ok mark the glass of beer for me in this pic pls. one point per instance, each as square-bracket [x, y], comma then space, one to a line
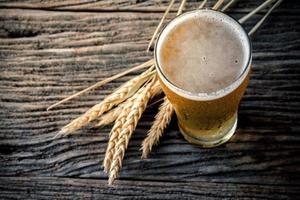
[203, 60]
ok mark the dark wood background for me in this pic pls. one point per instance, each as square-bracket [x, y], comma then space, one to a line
[50, 49]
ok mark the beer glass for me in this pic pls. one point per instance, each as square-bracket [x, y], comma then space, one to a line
[206, 119]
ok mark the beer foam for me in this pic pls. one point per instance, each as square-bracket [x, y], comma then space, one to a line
[203, 54]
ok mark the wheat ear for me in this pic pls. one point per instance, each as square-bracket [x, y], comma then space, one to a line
[121, 117]
[162, 119]
[117, 97]
[132, 118]
[112, 115]
[116, 130]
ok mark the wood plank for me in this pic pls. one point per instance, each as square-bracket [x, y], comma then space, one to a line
[132, 6]
[46, 55]
[70, 188]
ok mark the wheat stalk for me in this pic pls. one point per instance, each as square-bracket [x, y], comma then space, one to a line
[112, 115]
[132, 118]
[116, 130]
[107, 80]
[115, 133]
[253, 12]
[260, 22]
[180, 9]
[120, 95]
[217, 4]
[230, 3]
[155, 89]
[160, 24]
[162, 119]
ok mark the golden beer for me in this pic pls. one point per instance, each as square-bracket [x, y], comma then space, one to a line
[203, 61]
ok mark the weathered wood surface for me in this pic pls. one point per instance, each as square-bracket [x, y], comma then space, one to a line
[64, 188]
[125, 5]
[46, 55]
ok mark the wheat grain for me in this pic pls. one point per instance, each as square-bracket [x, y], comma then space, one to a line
[120, 120]
[117, 97]
[115, 131]
[135, 113]
[162, 119]
[112, 115]
[109, 117]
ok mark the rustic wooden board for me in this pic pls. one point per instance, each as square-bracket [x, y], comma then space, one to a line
[46, 55]
[133, 5]
[70, 188]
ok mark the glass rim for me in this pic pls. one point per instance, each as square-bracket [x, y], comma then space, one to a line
[203, 96]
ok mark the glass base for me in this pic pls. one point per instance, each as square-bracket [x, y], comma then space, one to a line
[223, 136]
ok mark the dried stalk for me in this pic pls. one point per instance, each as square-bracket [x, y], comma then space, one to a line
[230, 3]
[217, 5]
[135, 112]
[162, 119]
[116, 130]
[181, 7]
[160, 24]
[260, 22]
[253, 12]
[117, 97]
[112, 115]
[120, 121]
[155, 89]
[107, 80]
[202, 4]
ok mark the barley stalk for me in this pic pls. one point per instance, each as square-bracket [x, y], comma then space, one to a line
[120, 95]
[135, 113]
[162, 119]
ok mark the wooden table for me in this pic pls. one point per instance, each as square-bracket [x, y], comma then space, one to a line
[50, 49]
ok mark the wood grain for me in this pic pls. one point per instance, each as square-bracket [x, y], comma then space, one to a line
[70, 188]
[132, 6]
[46, 55]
